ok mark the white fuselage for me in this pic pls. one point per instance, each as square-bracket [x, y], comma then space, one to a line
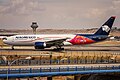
[29, 40]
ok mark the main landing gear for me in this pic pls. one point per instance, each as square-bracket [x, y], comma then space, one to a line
[58, 48]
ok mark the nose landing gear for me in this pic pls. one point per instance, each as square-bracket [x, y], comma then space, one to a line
[13, 48]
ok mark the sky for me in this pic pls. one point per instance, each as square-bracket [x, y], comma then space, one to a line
[57, 14]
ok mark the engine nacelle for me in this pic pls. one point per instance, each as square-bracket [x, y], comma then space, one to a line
[40, 45]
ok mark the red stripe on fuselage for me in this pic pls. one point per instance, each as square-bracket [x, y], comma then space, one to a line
[77, 40]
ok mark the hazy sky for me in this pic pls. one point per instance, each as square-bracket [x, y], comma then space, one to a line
[60, 14]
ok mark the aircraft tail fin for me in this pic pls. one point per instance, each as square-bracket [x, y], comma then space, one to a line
[106, 27]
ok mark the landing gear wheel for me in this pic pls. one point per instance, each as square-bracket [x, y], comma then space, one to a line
[13, 48]
[62, 49]
[58, 49]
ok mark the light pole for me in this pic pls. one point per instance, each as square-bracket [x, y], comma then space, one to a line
[9, 64]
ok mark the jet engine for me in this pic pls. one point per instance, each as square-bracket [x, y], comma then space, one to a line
[40, 45]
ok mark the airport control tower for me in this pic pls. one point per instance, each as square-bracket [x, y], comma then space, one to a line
[34, 26]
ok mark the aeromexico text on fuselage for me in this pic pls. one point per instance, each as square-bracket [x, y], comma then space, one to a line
[59, 40]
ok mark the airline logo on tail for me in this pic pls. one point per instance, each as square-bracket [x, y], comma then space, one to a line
[105, 28]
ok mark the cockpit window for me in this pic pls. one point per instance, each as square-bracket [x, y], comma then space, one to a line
[4, 38]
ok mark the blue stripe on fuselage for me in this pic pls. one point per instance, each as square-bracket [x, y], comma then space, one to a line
[94, 37]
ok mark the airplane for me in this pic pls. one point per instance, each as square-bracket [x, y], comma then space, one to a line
[59, 40]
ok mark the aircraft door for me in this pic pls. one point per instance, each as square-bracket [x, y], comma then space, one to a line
[12, 39]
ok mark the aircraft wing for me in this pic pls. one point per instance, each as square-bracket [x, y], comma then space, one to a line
[56, 41]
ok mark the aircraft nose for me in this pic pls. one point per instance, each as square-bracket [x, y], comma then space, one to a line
[5, 40]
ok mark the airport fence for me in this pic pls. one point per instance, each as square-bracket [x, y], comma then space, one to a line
[68, 60]
[85, 57]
